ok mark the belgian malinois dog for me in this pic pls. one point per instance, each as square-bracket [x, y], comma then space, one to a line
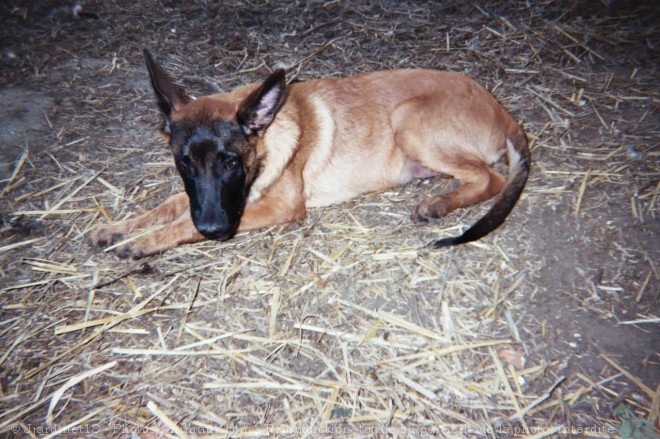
[263, 154]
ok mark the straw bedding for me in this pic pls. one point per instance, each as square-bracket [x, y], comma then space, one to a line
[344, 324]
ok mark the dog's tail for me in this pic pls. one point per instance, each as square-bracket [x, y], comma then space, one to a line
[519, 160]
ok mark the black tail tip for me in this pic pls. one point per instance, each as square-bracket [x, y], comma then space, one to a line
[447, 242]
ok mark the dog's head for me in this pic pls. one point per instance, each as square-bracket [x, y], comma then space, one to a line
[213, 141]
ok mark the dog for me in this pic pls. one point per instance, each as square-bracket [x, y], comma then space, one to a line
[263, 154]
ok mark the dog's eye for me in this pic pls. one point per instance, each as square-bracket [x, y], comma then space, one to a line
[184, 165]
[230, 164]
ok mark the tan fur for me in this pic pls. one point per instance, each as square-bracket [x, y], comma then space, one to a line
[334, 139]
[277, 148]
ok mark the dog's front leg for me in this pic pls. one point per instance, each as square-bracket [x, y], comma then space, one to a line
[168, 211]
[181, 231]
[268, 211]
[277, 207]
[282, 203]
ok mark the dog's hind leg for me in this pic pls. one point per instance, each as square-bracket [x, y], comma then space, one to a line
[452, 139]
[460, 130]
[165, 213]
[478, 182]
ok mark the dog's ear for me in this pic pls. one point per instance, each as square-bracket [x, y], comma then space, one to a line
[170, 97]
[258, 110]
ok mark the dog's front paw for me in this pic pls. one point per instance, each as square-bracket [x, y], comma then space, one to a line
[134, 250]
[105, 237]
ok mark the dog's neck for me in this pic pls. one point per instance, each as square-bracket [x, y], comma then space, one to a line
[279, 143]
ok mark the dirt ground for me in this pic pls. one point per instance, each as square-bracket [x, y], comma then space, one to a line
[344, 324]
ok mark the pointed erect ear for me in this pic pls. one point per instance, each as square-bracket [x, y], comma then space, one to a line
[259, 109]
[170, 97]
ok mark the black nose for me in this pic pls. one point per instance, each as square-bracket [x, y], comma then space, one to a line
[211, 230]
